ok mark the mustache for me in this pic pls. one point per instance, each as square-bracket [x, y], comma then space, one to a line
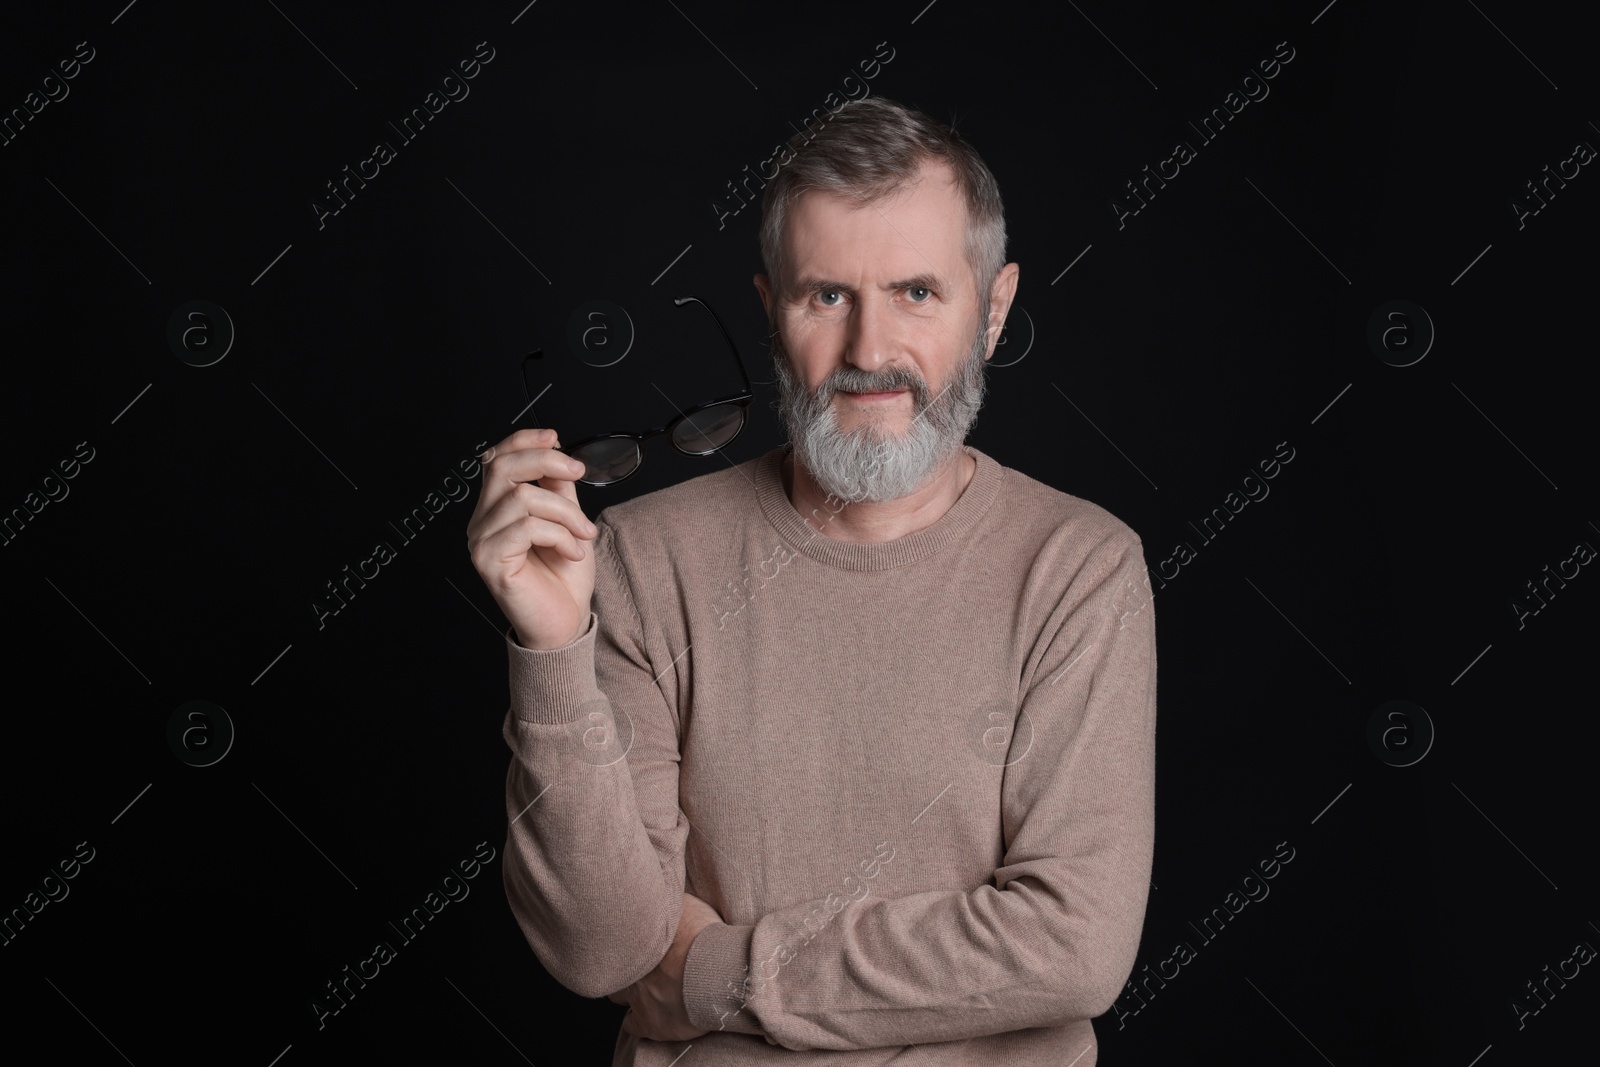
[856, 380]
[848, 379]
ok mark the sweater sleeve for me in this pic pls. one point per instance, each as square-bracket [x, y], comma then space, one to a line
[1053, 937]
[594, 858]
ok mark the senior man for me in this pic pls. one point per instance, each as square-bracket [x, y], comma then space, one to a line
[899, 791]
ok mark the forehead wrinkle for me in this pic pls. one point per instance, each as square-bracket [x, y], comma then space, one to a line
[910, 244]
[930, 170]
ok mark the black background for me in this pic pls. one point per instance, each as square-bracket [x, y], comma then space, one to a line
[374, 353]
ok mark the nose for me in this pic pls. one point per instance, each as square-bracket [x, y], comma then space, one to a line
[869, 344]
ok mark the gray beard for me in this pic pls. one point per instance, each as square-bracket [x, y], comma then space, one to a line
[868, 463]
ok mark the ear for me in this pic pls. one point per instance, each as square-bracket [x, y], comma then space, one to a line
[1003, 293]
[764, 287]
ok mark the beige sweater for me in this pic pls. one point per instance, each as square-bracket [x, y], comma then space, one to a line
[823, 740]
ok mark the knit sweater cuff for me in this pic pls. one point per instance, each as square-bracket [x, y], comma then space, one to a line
[552, 685]
[714, 975]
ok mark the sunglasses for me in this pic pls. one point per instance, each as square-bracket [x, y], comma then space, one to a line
[609, 458]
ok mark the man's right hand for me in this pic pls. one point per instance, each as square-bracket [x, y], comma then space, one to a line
[526, 539]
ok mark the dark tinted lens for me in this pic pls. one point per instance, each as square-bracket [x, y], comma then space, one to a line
[609, 459]
[708, 430]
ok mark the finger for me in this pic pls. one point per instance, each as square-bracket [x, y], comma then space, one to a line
[512, 542]
[511, 512]
[534, 456]
[504, 533]
[519, 440]
[552, 473]
[525, 500]
[549, 504]
[525, 456]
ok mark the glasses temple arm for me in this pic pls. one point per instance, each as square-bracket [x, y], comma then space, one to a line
[737, 358]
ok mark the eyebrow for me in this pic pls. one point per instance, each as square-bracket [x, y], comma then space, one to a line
[812, 284]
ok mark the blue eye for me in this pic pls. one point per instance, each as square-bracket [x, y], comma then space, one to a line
[825, 293]
[920, 289]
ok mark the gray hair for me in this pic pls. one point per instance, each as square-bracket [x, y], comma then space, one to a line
[868, 150]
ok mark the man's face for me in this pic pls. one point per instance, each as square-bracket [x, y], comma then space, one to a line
[879, 342]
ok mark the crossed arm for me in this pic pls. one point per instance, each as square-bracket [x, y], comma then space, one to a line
[595, 858]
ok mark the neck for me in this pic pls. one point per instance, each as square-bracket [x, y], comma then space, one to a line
[867, 521]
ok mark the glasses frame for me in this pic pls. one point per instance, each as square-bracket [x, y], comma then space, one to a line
[742, 400]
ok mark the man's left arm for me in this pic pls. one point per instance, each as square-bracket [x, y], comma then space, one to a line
[1053, 938]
